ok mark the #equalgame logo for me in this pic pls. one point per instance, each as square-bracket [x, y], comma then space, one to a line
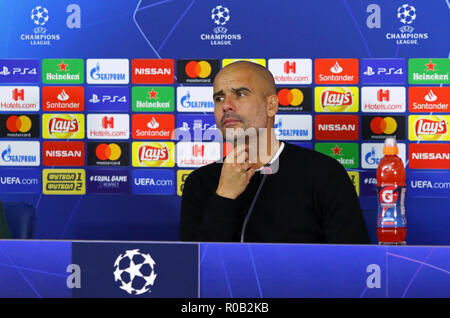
[197, 71]
[291, 71]
[220, 16]
[19, 71]
[181, 179]
[295, 99]
[429, 156]
[63, 153]
[195, 99]
[19, 153]
[293, 127]
[429, 99]
[63, 98]
[383, 99]
[153, 99]
[153, 181]
[108, 126]
[39, 17]
[19, 98]
[429, 71]
[336, 71]
[371, 154]
[383, 71]
[153, 126]
[152, 71]
[107, 71]
[108, 154]
[377, 127]
[153, 154]
[346, 153]
[339, 127]
[197, 154]
[429, 127]
[17, 180]
[407, 15]
[66, 71]
[109, 99]
[19, 126]
[336, 99]
[108, 181]
[368, 183]
[63, 126]
[196, 127]
[64, 181]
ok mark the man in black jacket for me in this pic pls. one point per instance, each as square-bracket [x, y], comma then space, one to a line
[284, 194]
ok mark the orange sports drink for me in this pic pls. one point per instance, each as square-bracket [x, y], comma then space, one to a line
[391, 190]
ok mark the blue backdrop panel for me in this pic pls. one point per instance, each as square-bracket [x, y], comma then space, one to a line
[173, 29]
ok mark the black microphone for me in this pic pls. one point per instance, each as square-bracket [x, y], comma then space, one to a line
[267, 170]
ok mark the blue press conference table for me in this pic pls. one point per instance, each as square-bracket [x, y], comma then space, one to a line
[39, 268]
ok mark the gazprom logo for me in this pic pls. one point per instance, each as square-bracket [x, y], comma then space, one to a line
[97, 75]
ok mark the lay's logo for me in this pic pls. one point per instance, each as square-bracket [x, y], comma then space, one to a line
[64, 126]
[336, 99]
[428, 128]
[153, 154]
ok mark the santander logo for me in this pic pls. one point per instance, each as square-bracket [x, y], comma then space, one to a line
[430, 97]
[336, 68]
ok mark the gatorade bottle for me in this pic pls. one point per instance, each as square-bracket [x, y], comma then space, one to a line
[391, 188]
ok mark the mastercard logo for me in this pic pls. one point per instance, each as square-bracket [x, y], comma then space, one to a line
[386, 125]
[200, 69]
[18, 124]
[108, 152]
[290, 97]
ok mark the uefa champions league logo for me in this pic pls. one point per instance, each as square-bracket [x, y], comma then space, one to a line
[220, 16]
[135, 272]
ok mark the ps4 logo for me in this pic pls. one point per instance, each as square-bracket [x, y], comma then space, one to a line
[108, 99]
[383, 71]
[18, 71]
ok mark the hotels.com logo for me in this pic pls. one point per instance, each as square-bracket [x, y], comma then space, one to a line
[152, 71]
[18, 94]
[108, 122]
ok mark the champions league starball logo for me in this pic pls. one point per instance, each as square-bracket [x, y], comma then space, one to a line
[220, 15]
[39, 15]
[406, 14]
[135, 272]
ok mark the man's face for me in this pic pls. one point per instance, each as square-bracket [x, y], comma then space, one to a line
[239, 100]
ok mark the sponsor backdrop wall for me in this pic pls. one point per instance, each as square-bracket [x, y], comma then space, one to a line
[106, 107]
